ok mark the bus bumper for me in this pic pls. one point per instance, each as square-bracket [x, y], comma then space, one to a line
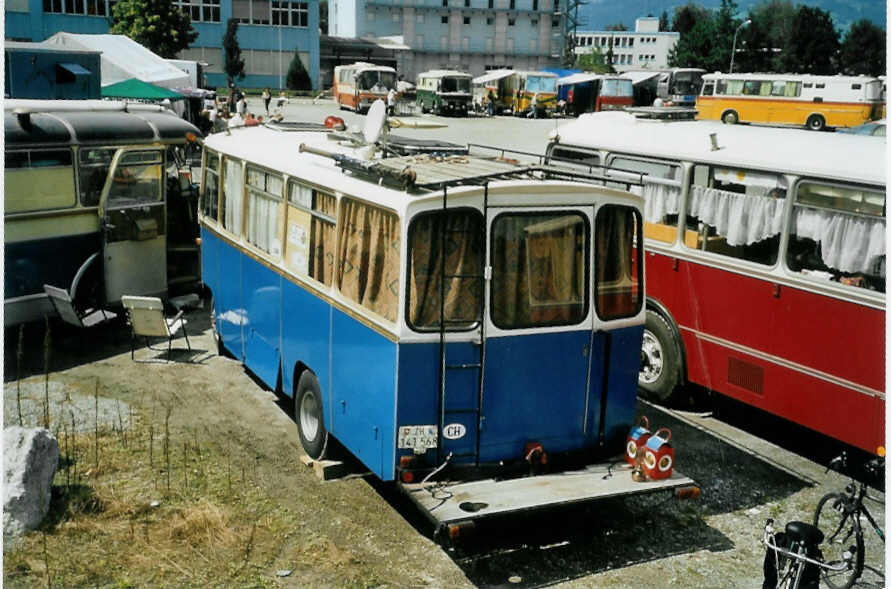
[453, 507]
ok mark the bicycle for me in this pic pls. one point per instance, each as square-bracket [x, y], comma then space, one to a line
[793, 559]
[840, 514]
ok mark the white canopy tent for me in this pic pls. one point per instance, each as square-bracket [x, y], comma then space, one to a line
[122, 59]
[492, 76]
[578, 78]
[638, 76]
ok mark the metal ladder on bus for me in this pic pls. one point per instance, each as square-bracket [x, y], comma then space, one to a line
[444, 367]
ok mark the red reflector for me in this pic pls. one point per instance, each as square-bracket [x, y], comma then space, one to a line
[454, 531]
[688, 493]
[406, 461]
[408, 477]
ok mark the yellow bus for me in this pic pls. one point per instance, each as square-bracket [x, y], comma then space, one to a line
[816, 102]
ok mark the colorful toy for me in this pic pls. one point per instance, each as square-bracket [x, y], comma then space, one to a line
[658, 455]
[637, 437]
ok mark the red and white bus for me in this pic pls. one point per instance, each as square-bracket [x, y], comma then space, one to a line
[358, 85]
[765, 263]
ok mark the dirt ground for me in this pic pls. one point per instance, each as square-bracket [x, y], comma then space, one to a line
[347, 536]
[356, 532]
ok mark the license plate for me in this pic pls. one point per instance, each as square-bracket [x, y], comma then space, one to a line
[417, 437]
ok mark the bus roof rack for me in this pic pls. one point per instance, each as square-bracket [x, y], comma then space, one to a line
[665, 113]
[295, 126]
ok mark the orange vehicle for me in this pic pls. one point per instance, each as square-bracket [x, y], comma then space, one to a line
[358, 85]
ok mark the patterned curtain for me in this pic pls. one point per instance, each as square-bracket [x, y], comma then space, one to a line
[616, 267]
[538, 270]
[368, 257]
[321, 240]
[463, 256]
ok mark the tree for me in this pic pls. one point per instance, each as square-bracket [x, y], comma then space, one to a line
[695, 48]
[592, 62]
[663, 21]
[759, 47]
[686, 17]
[617, 27]
[725, 25]
[158, 25]
[297, 78]
[233, 64]
[863, 50]
[812, 43]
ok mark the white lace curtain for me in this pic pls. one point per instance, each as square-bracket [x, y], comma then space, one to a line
[232, 192]
[660, 200]
[262, 229]
[848, 243]
[742, 219]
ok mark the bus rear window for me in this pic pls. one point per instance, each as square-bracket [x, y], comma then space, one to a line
[618, 271]
[462, 287]
[539, 269]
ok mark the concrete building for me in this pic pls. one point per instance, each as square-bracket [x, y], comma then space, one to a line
[646, 47]
[467, 35]
[269, 32]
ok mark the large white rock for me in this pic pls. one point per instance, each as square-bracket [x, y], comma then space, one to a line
[30, 458]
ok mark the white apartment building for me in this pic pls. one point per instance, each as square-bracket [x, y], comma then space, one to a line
[646, 47]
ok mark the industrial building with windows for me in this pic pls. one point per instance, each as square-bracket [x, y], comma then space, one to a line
[269, 32]
[469, 35]
[645, 48]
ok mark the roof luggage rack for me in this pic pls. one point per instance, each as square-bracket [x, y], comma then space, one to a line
[429, 172]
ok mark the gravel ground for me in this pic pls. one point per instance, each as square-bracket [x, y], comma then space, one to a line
[376, 538]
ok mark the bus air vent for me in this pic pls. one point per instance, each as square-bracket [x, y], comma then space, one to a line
[746, 375]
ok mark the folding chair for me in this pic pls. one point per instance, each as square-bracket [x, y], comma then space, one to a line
[146, 317]
[64, 306]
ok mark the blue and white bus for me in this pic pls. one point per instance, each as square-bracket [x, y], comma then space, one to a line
[448, 316]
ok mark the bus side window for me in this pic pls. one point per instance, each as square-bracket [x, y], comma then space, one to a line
[210, 188]
[465, 248]
[708, 89]
[310, 237]
[38, 180]
[264, 191]
[233, 191]
[838, 233]
[736, 213]
[92, 170]
[661, 195]
[368, 250]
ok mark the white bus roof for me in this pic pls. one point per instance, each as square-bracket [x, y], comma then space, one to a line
[361, 65]
[801, 77]
[441, 73]
[839, 156]
[279, 151]
[492, 76]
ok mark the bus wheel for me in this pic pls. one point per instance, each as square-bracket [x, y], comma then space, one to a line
[660, 359]
[816, 123]
[308, 414]
[730, 117]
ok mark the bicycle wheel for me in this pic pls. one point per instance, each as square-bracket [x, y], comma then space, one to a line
[837, 519]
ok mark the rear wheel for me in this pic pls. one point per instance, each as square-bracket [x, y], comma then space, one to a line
[308, 414]
[816, 123]
[843, 546]
[730, 117]
[660, 359]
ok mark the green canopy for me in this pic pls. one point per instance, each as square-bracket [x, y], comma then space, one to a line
[137, 89]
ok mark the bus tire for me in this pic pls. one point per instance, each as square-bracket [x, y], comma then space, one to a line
[731, 117]
[309, 416]
[660, 359]
[816, 123]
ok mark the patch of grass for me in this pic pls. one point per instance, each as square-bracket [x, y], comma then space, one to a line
[216, 527]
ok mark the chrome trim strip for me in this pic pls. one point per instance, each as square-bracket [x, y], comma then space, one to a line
[787, 364]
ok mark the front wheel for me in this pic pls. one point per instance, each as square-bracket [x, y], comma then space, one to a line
[308, 414]
[843, 546]
[660, 359]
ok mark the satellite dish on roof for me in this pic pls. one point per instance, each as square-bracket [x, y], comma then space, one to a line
[374, 122]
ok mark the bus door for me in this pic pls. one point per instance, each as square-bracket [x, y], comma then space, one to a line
[537, 348]
[132, 214]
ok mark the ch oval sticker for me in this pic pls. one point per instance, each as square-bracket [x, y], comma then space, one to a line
[454, 431]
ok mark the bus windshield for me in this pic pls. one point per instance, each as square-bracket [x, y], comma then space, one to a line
[687, 83]
[455, 85]
[617, 87]
[376, 80]
[541, 84]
